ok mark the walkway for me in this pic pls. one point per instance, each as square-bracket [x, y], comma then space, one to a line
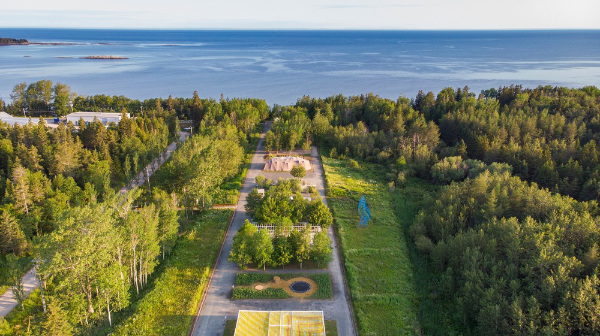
[218, 307]
[30, 280]
[8, 301]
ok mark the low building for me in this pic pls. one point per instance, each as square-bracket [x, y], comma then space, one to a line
[89, 117]
[21, 121]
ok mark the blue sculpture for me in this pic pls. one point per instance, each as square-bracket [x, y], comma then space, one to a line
[364, 212]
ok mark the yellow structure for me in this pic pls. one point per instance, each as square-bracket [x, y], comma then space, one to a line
[280, 323]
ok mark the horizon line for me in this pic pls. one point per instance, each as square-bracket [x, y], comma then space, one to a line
[313, 29]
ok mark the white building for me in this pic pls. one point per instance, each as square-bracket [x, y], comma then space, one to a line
[21, 121]
[88, 117]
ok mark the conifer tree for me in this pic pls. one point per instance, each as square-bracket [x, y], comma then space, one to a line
[12, 239]
[57, 322]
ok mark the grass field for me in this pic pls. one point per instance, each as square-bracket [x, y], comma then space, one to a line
[323, 280]
[171, 305]
[378, 266]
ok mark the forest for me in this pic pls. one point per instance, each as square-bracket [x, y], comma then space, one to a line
[511, 238]
[95, 249]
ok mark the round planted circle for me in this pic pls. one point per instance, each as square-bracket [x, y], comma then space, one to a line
[300, 286]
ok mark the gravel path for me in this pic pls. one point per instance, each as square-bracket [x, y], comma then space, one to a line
[8, 301]
[153, 166]
[218, 307]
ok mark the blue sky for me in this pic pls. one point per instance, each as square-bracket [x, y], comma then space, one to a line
[304, 14]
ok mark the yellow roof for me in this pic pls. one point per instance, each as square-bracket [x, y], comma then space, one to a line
[280, 323]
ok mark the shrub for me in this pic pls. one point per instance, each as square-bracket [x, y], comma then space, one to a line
[449, 169]
[298, 172]
[353, 163]
[391, 186]
[401, 178]
[260, 179]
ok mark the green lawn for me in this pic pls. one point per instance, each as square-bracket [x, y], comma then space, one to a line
[377, 261]
[229, 327]
[331, 328]
[170, 307]
[323, 280]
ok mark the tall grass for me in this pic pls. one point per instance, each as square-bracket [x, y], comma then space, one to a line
[170, 307]
[378, 267]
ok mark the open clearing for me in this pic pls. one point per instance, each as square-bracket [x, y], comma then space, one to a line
[379, 270]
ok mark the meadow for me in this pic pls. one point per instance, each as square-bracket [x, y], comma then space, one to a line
[169, 308]
[168, 305]
[377, 259]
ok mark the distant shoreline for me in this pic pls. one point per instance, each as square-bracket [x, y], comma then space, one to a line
[4, 41]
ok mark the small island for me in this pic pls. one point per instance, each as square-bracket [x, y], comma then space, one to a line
[12, 41]
[104, 57]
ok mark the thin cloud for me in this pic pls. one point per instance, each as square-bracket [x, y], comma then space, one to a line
[345, 6]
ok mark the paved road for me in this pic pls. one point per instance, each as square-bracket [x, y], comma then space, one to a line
[30, 281]
[218, 307]
[8, 301]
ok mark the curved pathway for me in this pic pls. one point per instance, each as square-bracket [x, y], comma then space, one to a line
[218, 306]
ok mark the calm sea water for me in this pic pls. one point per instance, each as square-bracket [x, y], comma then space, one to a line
[281, 66]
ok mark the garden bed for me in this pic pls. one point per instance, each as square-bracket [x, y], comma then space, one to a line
[246, 283]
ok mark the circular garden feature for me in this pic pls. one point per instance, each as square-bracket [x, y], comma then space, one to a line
[300, 286]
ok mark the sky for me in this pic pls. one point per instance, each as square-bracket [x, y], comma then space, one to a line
[303, 14]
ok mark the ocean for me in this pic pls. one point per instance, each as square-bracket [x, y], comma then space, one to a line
[282, 66]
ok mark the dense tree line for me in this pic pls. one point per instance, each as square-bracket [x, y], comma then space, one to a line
[98, 251]
[43, 96]
[40, 97]
[44, 171]
[547, 135]
[283, 203]
[243, 113]
[290, 129]
[221, 140]
[510, 251]
[512, 258]
[95, 249]
[251, 246]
